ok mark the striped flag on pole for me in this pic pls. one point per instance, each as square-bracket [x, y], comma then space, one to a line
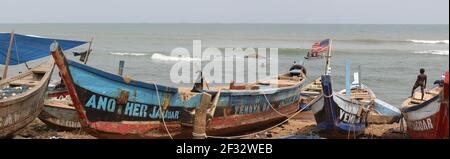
[322, 46]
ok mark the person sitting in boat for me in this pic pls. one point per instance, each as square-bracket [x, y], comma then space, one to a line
[421, 81]
[441, 81]
[200, 83]
[297, 69]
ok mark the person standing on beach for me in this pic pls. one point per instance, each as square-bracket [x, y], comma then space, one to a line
[421, 81]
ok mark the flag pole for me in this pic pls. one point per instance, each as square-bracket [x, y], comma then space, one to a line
[88, 51]
[327, 67]
[8, 55]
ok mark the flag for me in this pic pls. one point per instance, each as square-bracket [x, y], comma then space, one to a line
[322, 46]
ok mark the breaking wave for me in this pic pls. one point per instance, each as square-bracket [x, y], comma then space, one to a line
[430, 41]
[434, 52]
[380, 41]
[161, 57]
[127, 54]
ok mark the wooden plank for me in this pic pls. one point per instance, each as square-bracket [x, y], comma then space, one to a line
[8, 55]
[199, 130]
[309, 92]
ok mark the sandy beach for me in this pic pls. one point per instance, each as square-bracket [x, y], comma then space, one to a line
[303, 124]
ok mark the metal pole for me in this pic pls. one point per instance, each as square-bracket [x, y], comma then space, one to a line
[328, 58]
[347, 78]
[88, 51]
[359, 76]
[121, 66]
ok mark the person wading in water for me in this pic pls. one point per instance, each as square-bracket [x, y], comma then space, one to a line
[421, 81]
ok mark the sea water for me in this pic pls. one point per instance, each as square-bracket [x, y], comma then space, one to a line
[390, 55]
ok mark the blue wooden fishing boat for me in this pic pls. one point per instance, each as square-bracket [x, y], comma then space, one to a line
[346, 114]
[112, 106]
[341, 115]
[252, 106]
[22, 95]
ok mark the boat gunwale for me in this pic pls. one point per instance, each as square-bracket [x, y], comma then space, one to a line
[120, 79]
[33, 90]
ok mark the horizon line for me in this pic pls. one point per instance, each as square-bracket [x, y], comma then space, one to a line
[222, 23]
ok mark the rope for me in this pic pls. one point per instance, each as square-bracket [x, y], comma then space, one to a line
[276, 111]
[270, 128]
[331, 95]
[17, 51]
[161, 112]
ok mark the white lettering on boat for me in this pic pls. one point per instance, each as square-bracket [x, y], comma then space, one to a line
[131, 109]
[17, 116]
[262, 106]
[421, 125]
[67, 123]
[348, 117]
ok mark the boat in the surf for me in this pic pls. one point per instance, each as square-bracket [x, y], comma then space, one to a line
[309, 57]
[22, 95]
[428, 118]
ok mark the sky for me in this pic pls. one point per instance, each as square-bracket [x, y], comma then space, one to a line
[226, 11]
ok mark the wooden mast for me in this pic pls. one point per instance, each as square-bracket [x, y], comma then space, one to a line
[88, 51]
[8, 55]
[327, 67]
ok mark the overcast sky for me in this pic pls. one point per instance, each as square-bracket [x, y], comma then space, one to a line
[226, 11]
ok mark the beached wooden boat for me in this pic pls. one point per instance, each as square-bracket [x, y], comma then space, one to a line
[111, 106]
[19, 110]
[22, 95]
[311, 94]
[251, 106]
[428, 118]
[342, 116]
[58, 111]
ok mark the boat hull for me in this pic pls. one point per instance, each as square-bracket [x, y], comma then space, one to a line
[429, 120]
[337, 118]
[111, 106]
[17, 112]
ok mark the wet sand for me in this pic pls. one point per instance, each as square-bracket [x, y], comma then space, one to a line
[303, 124]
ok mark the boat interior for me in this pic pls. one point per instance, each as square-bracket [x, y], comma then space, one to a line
[416, 99]
[360, 94]
[311, 91]
[283, 80]
[23, 81]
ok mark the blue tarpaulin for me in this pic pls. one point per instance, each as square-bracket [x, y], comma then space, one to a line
[26, 48]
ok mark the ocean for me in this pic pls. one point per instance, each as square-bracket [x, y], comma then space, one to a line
[390, 56]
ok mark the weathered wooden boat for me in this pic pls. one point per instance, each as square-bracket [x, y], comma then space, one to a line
[59, 112]
[341, 115]
[428, 118]
[19, 110]
[22, 95]
[111, 106]
[383, 113]
[311, 94]
[242, 108]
